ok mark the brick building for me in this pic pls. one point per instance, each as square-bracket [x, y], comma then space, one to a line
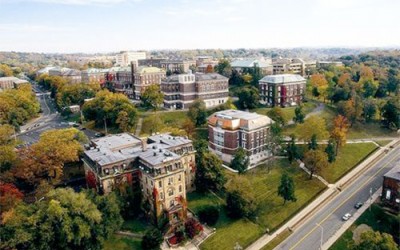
[93, 75]
[178, 66]
[181, 90]
[282, 90]
[10, 82]
[230, 129]
[391, 189]
[163, 166]
[71, 75]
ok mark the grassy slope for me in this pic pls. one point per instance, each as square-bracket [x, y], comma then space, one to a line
[122, 243]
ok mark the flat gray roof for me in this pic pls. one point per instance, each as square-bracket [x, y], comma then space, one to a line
[394, 173]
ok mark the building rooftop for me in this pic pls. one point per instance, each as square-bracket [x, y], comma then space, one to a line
[120, 147]
[209, 76]
[8, 78]
[394, 173]
[233, 119]
[281, 79]
[146, 69]
[249, 63]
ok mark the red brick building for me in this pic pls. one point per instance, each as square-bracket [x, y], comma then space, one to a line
[230, 129]
[391, 189]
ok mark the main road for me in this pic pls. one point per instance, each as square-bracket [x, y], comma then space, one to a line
[327, 220]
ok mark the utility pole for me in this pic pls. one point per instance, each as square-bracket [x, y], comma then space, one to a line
[105, 125]
[370, 199]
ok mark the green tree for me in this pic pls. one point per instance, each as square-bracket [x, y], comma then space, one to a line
[369, 109]
[152, 124]
[315, 160]
[313, 144]
[240, 161]
[152, 239]
[224, 68]
[240, 199]
[62, 220]
[371, 240]
[198, 112]
[209, 215]
[152, 97]
[276, 114]
[330, 151]
[391, 113]
[292, 149]
[248, 97]
[299, 114]
[286, 188]
[209, 174]
[7, 145]
[393, 80]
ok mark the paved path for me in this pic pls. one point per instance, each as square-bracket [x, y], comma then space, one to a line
[329, 207]
[139, 127]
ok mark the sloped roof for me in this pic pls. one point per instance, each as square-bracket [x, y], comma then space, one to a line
[146, 69]
[249, 63]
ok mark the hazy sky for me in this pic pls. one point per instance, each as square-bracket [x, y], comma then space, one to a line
[113, 25]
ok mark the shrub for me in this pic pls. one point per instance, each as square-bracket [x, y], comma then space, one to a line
[209, 215]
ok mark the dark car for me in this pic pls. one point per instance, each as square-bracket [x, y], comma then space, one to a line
[82, 128]
[358, 205]
[99, 134]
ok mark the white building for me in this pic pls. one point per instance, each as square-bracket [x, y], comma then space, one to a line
[124, 58]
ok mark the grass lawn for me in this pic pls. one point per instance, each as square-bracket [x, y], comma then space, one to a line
[277, 240]
[383, 143]
[369, 130]
[122, 243]
[288, 113]
[135, 226]
[349, 156]
[377, 219]
[272, 212]
[173, 118]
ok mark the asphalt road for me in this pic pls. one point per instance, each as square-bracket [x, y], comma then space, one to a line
[49, 119]
[308, 236]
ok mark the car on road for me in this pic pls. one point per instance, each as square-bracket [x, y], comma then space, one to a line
[99, 134]
[358, 205]
[82, 128]
[346, 216]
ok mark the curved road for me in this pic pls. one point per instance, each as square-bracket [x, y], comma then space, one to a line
[308, 236]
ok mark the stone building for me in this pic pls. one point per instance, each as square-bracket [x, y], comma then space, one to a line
[178, 66]
[10, 82]
[282, 90]
[292, 66]
[71, 75]
[163, 166]
[181, 90]
[93, 75]
[125, 58]
[265, 65]
[229, 130]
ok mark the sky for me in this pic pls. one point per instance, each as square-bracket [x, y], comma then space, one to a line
[68, 26]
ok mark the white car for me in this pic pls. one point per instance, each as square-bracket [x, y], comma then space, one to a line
[346, 216]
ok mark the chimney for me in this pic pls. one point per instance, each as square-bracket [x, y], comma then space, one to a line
[144, 145]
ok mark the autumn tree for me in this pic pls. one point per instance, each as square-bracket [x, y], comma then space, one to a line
[314, 125]
[209, 69]
[152, 124]
[189, 127]
[5, 70]
[315, 161]
[198, 112]
[247, 78]
[10, 196]
[45, 159]
[339, 131]
[240, 161]
[286, 188]
[7, 144]
[75, 94]
[319, 82]
[152, 97]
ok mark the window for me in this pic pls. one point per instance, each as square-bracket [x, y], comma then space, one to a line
[171, 203]
[180, 188]
[170, 180]
[161, 196]
[159, 184]
[243, 136]
[388, 194]
[170, 192]
[179, 178]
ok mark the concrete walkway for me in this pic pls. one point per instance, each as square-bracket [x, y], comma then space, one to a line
[321, 200]
[302, 166]
[139, 127]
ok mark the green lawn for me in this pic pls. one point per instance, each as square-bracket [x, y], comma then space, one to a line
[369, 130]
[272, 212]
[135, 226]
[288, 113]
[173, 118]
[383, 143]
[122, 243]
[377, 219]
[349, 156]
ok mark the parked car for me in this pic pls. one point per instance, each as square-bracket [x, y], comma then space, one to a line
[346, 217]
[99, 134]
[358, 205]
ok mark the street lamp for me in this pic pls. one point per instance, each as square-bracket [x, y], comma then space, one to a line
[322, 234]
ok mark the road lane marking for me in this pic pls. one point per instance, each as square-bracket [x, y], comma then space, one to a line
[346, 200]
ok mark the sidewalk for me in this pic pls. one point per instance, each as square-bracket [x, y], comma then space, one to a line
[321, 200]
[350, 222]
